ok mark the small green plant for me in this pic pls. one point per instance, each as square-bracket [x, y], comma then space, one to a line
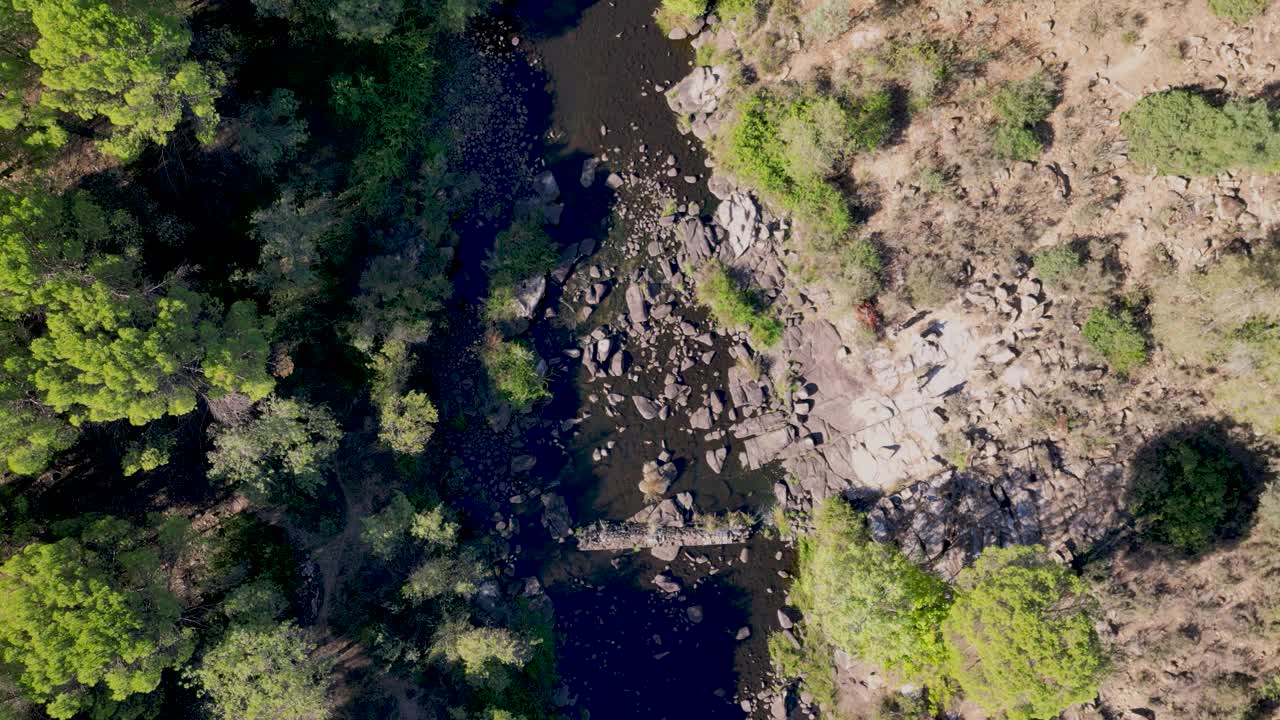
[1191, 489]
[1020, 107]
[1179, 132]
[1238, 11]
[733, 306]
[705, 55]
[734, 11]
[1130, 37]
[672, 14]
[1057, 263]
[513, 369]
[1115, 335]
[924, 66]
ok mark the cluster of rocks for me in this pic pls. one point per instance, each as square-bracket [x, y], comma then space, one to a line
[665, 528]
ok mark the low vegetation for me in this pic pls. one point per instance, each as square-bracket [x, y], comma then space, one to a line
[735, 306]
[1227, 317]
[673, 14]
[1180, 132]
[789, 148]
[522, 252]
[1115, 335]
[1020, 108]
[1056, 264]
[513, 369]
[1239, 11]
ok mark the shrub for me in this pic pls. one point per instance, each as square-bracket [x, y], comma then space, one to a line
[1238, 11]
[1021, 106]
[265, 673]
[734, 306]
[1193, 487]
[828, 21]
[1056, 264]
[1228, 316]
[928, 284]
[737, 10]
[1020, 638]
[672, 14]
[282, 452]
[513, 370]
[1181, 133]
[868, 599]
[811, 663]
[520, 252]
[925, 66]
[1115, 335]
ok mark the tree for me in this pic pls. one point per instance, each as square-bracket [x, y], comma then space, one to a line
[399, 295]
[126, 62]
[88, 620]
[406, 418]
[454, 574]
[1192, 490]
[270, 133]
[284, 450]
[484, 653]
[371, 20]
[868, 599]
[1020, 635]
[264, 673]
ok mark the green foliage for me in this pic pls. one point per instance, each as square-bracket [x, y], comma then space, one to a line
[1056, 263]
[513, 370]
[107, 343]
[868, 599]
[82, 619]
[786, 149]
[1239, 11]
[858, 279]
[457, 574]
[1181, 133]
[481, 651]
[260, 602]
[520, 252]
[125, 62]
[924, 65]
[1115, 335]
[1020, 637]
[146, 456]
[829, 20]
[399, 296]
[811, 661]
[292, 233]
[282, 452]
[1227, 317]
[734, 306]
[1020, 107]
[406, 418]
[371, 20]
[672, 14]
[737, 10]
[1193, 487]
[270, 134]
[264, 673]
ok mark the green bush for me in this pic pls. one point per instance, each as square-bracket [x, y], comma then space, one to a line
[1115, 335]
[1056, 264]
[928, 284]
[858, 279]
[520, 252]
[787, 148]
[1020, 638]
[868, 599]
[737, 10]
[1193, 486]
[1021, 106]
[733, 306]
[924, 66]
[513, 369]
[1238, 11]
[1181, 133]
[672, 14]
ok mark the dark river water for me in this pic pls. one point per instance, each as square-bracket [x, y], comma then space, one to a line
[583, 79]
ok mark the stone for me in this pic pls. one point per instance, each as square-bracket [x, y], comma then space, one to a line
[700, 419]
[647, 408]
[555, 516]
[1229, 207]
[784, 620]
[716, 458]
[666, 584]
[698, 93]
[694, 613]
[614, 181]
[546, 187]
[587, 177]
[665, 553]
[529, 294]
[743, 633]
[618, 364]
[637, 307]
[523, 463]
[740, 216]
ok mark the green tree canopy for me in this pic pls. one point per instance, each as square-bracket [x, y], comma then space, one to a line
[125, 61]
[1020, 636]
[1181, 133]
[264, 673]
[284, 450]
[93, 340]
[868, 599]
[88, 620]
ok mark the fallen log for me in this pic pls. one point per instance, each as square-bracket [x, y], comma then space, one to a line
[628, 535]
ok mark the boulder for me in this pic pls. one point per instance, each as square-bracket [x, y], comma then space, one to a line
[587, 178]
[637, 307]
[647, 408]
